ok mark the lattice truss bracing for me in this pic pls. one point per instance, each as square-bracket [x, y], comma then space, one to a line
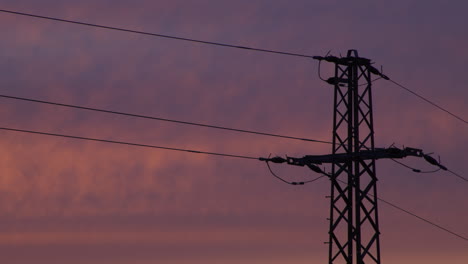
[354, 228]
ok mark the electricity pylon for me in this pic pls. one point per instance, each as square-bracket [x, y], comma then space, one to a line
[354, 222]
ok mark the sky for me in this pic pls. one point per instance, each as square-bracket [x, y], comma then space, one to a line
[72, 201]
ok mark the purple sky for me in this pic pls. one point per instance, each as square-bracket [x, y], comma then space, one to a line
[65, 201]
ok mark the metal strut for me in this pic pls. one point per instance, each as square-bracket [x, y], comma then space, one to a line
[365, 156]
[354, 235]
[378, 153]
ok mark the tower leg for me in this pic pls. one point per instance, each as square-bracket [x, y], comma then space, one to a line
[354, 229]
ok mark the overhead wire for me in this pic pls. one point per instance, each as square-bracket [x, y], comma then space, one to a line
[315, 179]
[161, 119]
[203, 152]
[374, 80]
[458, 175]
[417, 216]
[292, 183]
[155, 34]
[156, 147]
[414, 169]
[433, 171]
[403, 87]
[319, 68]
[214, 154]
[127, 143]
[423, 219]
[208, 43]
[276, 176]
[429, 101]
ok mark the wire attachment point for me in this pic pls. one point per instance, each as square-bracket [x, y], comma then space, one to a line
[276, 159]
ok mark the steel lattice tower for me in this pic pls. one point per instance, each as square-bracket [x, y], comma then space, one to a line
[354, 222]
[354, 226]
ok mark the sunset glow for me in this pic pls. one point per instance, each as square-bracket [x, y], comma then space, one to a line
[71, 201]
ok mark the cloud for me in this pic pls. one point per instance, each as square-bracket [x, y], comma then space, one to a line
[94, 185]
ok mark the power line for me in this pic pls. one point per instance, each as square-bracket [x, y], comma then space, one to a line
[204, 42]
[433, 171]
[291, 182]
[127, 143]
[207, 153]
[423, 219]
[202, 152]
[156, 34]
[458, 175]
[430, 102]
[414, 169]
[162, 119]
[417, 216]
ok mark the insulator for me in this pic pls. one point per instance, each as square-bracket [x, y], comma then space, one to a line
[277, 160]
[317, 169]
[431, 160]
